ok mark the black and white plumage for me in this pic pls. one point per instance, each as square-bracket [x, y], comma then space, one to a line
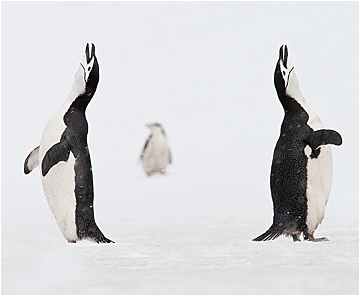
[301, 171]
[156, 154]
[64, 158]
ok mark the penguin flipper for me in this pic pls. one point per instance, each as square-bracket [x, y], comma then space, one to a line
[323, 137]
[146, 144]
[31, 161]
[58, 152]
[272, 233]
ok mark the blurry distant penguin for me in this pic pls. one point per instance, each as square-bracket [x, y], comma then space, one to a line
[156, 154]
[301, 171]
[64, 158]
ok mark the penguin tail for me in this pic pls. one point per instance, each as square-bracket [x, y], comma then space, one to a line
[272, 233]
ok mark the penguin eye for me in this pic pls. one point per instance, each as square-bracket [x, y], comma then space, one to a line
[284, 73]
[89, 68]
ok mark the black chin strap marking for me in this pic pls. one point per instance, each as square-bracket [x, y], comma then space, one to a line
[84, 72]
[289, 77]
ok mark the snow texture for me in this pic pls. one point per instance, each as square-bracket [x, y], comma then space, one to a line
[204, 70]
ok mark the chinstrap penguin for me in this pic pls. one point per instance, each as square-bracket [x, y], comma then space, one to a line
[156, 154]
[64, 159]
[301, 170]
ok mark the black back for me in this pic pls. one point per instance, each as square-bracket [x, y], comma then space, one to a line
[288, 179]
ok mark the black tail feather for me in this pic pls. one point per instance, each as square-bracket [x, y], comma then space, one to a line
[272, 233]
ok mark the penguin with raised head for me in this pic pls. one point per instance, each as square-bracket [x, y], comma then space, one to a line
[301, 170]
[156, 153]
[64, 159]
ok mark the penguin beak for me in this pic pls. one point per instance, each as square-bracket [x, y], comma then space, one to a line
[89, 53]
[283, 55]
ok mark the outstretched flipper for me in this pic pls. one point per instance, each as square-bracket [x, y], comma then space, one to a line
[32, 160]
[323, 137]
[58, 152]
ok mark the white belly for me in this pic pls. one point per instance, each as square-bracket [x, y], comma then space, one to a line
[156, 157]
[59, 182]
[320, 171]
[319, 178]
[59, 186]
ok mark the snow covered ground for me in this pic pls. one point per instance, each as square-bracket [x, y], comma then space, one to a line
[205, 71]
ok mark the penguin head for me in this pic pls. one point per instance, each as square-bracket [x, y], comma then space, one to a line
[285, 79]
[86, 78]
[156, 128]
[90, 67]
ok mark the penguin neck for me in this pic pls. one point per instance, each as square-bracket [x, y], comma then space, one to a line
[289, 103]
[75, 117]
[157, 134]
[291, 97]
[82, 101]
[80, 95]
[297, 106]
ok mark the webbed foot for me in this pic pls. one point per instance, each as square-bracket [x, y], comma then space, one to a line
[313, 239]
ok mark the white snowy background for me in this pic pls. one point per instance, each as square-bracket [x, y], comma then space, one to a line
[205, 71]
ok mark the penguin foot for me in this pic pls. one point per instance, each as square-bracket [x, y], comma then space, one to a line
[313, 239]
[296, 236]
[71, 241]
[321, 239]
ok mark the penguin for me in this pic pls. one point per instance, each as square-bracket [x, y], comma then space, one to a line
[301, 170]
[64, 159]
[156, 154]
